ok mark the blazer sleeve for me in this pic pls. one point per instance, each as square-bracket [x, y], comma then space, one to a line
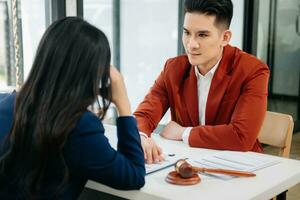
[242, 131]
[154, 106]
[91, 156]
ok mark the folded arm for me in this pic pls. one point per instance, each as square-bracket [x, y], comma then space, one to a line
[241, 132]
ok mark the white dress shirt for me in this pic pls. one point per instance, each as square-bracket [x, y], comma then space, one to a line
[203, 86]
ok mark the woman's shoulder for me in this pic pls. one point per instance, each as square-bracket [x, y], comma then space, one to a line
[89, 123]
[7, 99]
[7, 103]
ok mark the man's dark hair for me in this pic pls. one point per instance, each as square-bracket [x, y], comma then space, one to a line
[222, 9]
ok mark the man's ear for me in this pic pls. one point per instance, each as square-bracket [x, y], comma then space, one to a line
[226, 36]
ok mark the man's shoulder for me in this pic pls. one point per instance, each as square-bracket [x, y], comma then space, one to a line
[177, 64]
[242, 60]
[246, 57]
[180, 58]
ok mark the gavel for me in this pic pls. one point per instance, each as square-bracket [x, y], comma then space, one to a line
[185, 170]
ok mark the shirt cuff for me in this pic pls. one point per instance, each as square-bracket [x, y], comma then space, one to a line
[186, 134]
[143, 134]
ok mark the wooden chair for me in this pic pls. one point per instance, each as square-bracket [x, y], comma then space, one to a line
[277, 131]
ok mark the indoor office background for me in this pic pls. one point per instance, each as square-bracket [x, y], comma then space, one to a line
[144, 33]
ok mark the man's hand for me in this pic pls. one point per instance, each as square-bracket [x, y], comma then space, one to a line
[173, 131]
[152, 152]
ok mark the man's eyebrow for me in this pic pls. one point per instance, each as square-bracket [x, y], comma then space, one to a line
[204, 31]
[200, 31]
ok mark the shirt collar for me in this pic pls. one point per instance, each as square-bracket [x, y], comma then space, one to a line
[211, 72]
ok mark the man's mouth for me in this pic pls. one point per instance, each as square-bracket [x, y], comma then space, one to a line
[195, 54]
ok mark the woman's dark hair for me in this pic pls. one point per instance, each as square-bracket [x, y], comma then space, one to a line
[71, 62]
[222, 9]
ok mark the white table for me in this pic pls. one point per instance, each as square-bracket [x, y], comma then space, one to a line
[267, 183]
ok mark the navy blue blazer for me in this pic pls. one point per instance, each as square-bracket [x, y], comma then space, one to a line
[88, 155]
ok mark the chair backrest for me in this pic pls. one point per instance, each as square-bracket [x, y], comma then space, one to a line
[277, 131]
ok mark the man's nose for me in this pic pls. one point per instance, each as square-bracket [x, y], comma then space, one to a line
[193, 43]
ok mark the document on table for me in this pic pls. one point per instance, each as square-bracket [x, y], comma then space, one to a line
[170, 160]
[234, 160]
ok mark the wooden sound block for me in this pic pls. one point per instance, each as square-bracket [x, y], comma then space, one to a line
[174, 178]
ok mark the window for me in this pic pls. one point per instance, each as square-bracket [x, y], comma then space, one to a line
[33, 14]
[31, 25]
[100, 14]
[149, 36]
[146, 36]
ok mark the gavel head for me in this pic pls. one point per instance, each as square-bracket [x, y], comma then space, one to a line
[184, 169]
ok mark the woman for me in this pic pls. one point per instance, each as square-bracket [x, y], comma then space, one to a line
[50, 144]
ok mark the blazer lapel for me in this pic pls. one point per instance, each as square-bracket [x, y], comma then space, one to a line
[190, 96]
[219, 85]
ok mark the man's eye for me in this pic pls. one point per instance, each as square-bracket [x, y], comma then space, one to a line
[186, 32]
[202, 35]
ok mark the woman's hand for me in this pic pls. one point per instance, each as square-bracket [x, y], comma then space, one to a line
[119, 93]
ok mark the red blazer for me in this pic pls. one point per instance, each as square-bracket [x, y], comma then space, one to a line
[236, 103]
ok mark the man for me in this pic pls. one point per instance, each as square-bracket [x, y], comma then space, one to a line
[217, 93]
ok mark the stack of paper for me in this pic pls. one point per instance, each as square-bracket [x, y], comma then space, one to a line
[234, 160]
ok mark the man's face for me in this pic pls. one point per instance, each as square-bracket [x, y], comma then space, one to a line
[203, 40]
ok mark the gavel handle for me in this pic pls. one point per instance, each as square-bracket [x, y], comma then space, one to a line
[224, 171]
